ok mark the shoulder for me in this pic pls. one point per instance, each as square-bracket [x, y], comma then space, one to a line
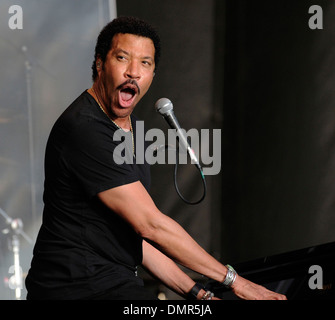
[82, 114]
[81, 124]
[82, 108]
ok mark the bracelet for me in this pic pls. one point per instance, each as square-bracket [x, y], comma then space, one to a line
[193, 294]
[208, 296]
[230, 277]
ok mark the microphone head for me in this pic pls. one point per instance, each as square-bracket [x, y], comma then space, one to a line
[163, 106]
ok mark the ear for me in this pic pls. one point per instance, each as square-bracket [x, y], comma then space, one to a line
[98, 64]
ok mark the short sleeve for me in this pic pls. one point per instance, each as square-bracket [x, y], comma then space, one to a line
[89, 157]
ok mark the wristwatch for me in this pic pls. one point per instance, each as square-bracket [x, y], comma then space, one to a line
[192, 295]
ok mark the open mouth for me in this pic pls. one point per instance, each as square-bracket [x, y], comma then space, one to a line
[127, 94]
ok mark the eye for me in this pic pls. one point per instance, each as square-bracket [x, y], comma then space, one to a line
[121, 58]
[147, 63]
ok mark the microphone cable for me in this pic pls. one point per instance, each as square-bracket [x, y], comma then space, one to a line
[175, 176]
[176, 184]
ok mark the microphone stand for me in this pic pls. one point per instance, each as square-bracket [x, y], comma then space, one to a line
[16, 225]
[28, 73]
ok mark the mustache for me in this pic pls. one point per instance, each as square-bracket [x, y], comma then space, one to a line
[132, 82]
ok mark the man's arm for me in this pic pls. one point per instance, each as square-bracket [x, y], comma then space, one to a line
[165, 270]
[133, 203]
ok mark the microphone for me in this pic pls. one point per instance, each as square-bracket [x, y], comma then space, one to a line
[165, 108]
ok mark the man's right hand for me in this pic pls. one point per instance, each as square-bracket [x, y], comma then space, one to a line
[248, 290]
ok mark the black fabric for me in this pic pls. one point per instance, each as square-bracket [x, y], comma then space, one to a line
[193, 294]
[126, 291]
[83, 248]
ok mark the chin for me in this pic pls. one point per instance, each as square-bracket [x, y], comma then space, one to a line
[122, 112]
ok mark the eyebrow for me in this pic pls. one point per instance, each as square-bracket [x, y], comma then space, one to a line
[148, 58]
[121, 50]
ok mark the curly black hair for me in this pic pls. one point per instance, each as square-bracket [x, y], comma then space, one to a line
[123, 25]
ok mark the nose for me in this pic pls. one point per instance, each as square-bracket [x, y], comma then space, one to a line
[133, 71]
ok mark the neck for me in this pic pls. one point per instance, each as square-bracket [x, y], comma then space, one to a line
[124, 124]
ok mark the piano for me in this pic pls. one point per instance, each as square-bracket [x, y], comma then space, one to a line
[304, 274]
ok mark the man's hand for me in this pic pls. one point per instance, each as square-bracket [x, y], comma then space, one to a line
[248, 290]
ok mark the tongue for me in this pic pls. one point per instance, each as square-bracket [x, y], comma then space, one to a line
[126, 95]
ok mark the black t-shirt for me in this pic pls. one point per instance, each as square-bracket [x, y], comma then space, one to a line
[83, 247]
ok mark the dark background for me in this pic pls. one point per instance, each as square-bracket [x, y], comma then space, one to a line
[257, 71]
[279, 130]
[253, 69]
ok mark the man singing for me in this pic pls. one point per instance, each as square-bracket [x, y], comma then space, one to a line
[99, 221]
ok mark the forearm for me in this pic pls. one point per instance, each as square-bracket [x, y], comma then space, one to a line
[165, 270]
[174, 241]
